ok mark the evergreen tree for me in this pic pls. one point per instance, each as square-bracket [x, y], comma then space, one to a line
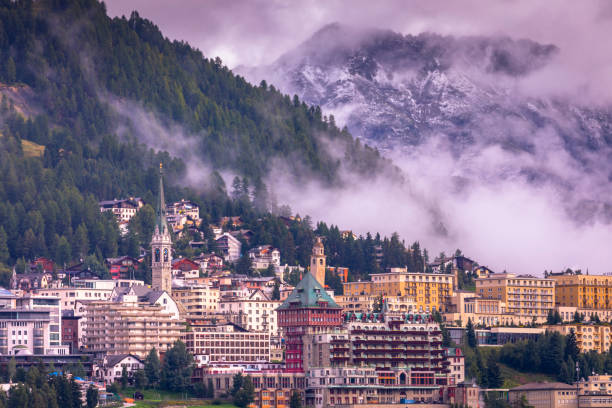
[494, 377]
[4, 250]
[123, 380]
[140, 379]
[246, 394]
[571, 346]
[75, 391]
[152, 367]
[237, 382]
[276, 291]
[92, 397]
[296, 400]
[177, 368]
[470, 334]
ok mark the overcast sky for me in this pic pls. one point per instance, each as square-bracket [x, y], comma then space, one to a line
[258, 31]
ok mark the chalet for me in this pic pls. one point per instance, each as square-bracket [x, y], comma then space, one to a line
[111, 367]
[243, 234]
[483, 272]
[229, 247]
[209, 263]
[263, 256]
[184, 208]
[42, 264]
[346, 234]
[460, 263]
[259, 283]
[30, 281]
[123, 209]
[122, 267]
[185, 268]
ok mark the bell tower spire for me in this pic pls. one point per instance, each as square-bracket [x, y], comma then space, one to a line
[161, 244]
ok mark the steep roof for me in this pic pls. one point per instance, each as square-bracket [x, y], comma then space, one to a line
[308, 293]
[113, 360]
[160, 210]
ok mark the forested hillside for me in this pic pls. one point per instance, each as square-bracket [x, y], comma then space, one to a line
[63, 62]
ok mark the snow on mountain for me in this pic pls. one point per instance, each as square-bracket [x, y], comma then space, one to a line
[414, 96]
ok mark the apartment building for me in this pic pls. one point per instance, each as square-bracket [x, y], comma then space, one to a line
[430, 290]
[30, 325]
[197, 300]
[132, 321]
[123, 209]
[229, 247]
[525, 296]
[590, 337]
[227, 343]
[263, 256]
[365, 303]
[256, 312]
[583, 291]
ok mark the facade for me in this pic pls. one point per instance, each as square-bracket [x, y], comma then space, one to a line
[467, 394]
[583, 291]
[457, 364]
[68, 296]
[123, 209]
[365, 303]
[589, 337]
[263, 256]
[254, 313]
[161, 245]
[111, 367]
[525, 296]
[227, 343]
[30, 325]
[430, 290]
[317, 261]
[71, 335]
[307, 310]
[546, 395]
[122, 267]
[377, 358]
[133, 321]
[229, 247]
[185, 268]
[197, 300]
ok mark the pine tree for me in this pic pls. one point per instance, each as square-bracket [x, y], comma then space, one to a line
[177, 368]
[296, 400]
[494, 377]
[124, 378]
[246, 394]
[571, 345]
[470, 334]
[4, 250]
[92, 397]
[276, 291]
[152, 367]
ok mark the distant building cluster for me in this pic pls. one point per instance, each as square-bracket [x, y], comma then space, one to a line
[378, 343]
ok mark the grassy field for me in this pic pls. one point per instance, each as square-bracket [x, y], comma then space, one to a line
[31, 149]
[160, 399]
[513, 378]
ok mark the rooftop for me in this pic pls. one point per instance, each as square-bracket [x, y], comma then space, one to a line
[308, 293]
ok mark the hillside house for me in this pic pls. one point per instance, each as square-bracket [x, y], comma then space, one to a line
[229, 247]
[185, 268]
[263, 256]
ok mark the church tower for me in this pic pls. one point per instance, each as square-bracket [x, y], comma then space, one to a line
[161, 244]
[317, 262]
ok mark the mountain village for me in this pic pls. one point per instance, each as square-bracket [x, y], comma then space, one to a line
[394, 339]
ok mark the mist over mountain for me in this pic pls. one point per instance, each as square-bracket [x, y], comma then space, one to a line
[485, 101]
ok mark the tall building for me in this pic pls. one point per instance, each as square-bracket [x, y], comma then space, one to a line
[524, 295]
[308, 310]
[132, 321]
[161, 244]
[317, 262]
[428, 290]
[583, 291]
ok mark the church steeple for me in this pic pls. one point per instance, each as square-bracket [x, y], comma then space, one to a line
[161, 244]
[160, 210]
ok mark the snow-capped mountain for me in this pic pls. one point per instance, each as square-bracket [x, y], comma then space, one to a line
[475, 98]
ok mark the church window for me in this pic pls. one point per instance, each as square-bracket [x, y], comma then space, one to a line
[321, 261]
[165, 254]
[157, 255]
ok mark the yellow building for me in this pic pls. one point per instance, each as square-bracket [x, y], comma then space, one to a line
[545, 395]
[197, 300]
[588, 336]
[430, 290]
[365, 303]
[317, 261]
[524, 295]
[583, 291]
